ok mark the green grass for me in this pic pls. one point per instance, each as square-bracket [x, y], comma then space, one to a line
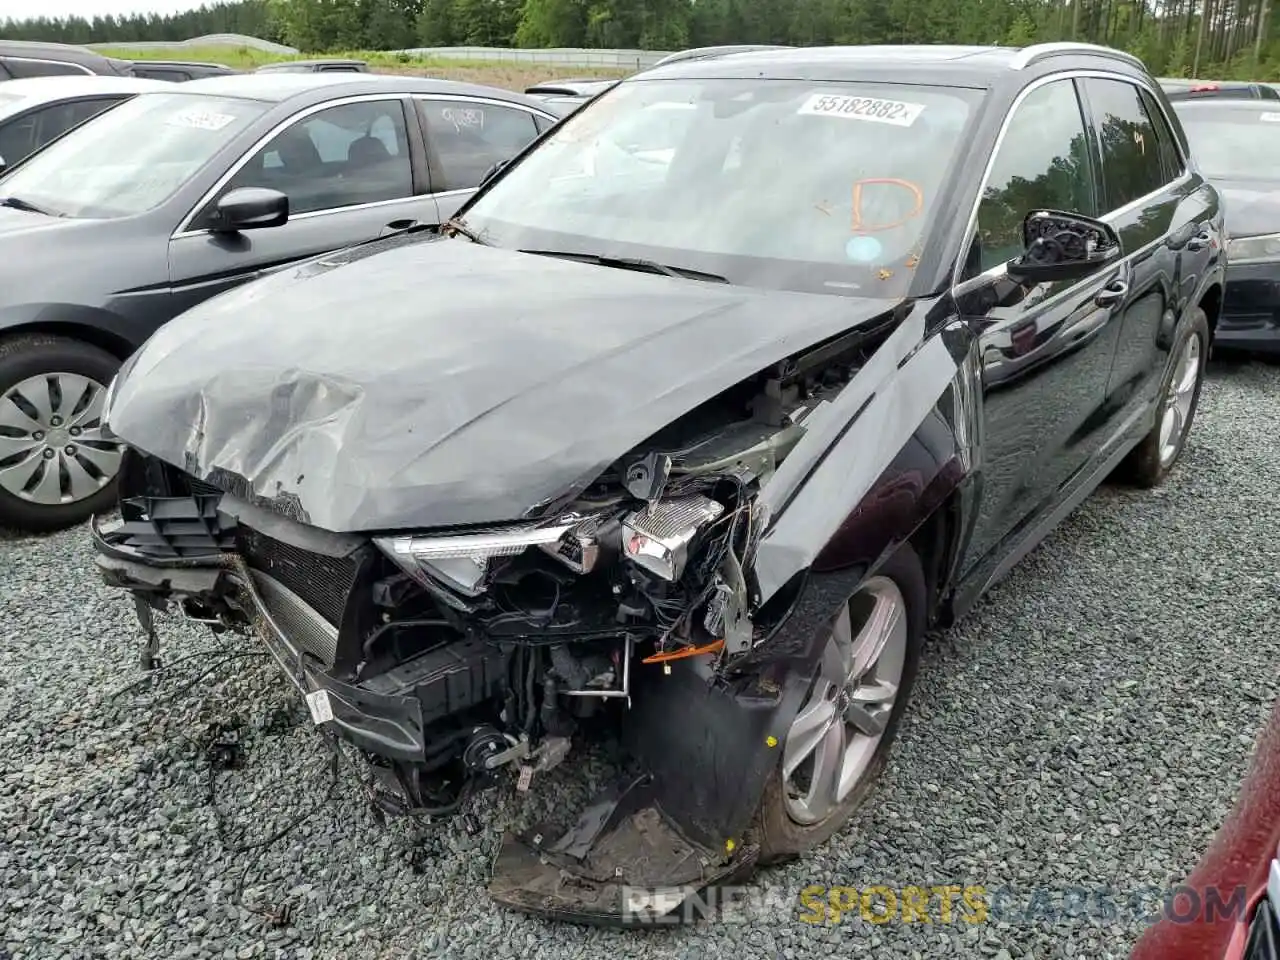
[508, 74]
[247, 58]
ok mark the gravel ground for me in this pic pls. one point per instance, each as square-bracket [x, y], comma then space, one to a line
[1085, 727]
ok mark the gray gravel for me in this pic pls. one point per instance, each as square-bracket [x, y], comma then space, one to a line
[1084, 728]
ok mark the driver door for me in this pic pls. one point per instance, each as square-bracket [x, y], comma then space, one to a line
[1046, 349]
[349, 173]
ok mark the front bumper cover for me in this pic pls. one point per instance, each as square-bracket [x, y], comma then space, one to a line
[646, 852]
[1251, 308]
[388, 726]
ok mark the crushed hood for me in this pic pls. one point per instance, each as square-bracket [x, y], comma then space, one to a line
[422, 382]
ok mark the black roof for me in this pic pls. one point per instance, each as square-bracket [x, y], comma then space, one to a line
[925, 63]
[319, 87]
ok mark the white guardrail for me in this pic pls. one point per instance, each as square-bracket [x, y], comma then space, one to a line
[558, 56]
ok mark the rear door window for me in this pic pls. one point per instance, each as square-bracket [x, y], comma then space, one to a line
[1132, 166]
[1169, 156]
[467, 137]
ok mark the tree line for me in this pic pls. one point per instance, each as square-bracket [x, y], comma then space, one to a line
[1203, 38]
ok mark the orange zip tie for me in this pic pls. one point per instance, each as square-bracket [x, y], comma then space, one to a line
[685, 652]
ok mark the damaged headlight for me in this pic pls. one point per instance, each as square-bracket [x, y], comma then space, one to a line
[462, 560]
[658, 537]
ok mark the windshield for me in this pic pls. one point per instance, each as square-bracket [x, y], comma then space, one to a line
[132, 158]
[786, 184]
[1237, 143]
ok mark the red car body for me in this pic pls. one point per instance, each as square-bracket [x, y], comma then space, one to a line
[1239, 856]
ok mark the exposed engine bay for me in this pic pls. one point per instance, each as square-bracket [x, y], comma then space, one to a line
[449, 655]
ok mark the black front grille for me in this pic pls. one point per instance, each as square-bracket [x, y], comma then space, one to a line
[175, 527]
[320, 581]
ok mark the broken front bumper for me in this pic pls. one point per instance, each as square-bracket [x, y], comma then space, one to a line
[389, 726]
[651, 851]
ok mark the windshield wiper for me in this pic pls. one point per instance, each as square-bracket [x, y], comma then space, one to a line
[17, 203]
[457, 226]
[632, 263]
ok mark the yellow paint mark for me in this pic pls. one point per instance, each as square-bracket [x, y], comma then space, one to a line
[729, 845]
[771, 740]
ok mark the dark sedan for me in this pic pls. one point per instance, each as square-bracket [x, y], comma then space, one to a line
[325, 65]
[36, 112]
[178, 195]
[179, 71]
[1179, 90]
[572, 93]
[20, 59]
[1237, 146]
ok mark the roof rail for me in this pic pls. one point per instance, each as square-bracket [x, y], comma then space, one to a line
[1029, 55]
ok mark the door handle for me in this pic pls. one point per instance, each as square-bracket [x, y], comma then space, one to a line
[397, 226]
[1200, 240]
[1112, 293]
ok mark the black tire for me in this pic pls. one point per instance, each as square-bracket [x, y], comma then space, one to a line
[1143, 466]
[29, 355]
[779, 836]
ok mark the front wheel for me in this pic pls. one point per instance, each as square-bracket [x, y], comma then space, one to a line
[839, 740]
[56, 467]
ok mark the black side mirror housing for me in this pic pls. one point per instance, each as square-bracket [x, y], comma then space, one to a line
[250, 208]
[1063, 246]
[493, 171]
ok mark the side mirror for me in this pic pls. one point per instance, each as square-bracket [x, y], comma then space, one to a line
[493, 171]
[1063, 246]
[250, 208]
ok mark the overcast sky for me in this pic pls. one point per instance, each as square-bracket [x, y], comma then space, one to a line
[22, 9]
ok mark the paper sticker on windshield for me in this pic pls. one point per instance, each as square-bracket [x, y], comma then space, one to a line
[862, 108]
[1270, 118]
[200, 120]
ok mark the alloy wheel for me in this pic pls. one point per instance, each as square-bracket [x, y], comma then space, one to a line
[52, 447]
[1176, 415]
[834, 737]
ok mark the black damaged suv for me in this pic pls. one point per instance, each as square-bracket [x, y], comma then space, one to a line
[699, 433]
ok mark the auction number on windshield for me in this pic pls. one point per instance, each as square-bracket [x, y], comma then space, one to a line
[863, 108]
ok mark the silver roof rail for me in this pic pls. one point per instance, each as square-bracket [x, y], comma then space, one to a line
[1029, 55]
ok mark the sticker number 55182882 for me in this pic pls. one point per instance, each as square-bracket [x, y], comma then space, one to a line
[862, 108]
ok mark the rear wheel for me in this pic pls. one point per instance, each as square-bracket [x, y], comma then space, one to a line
[56, 467]
[1150, 462]
[841, 735]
